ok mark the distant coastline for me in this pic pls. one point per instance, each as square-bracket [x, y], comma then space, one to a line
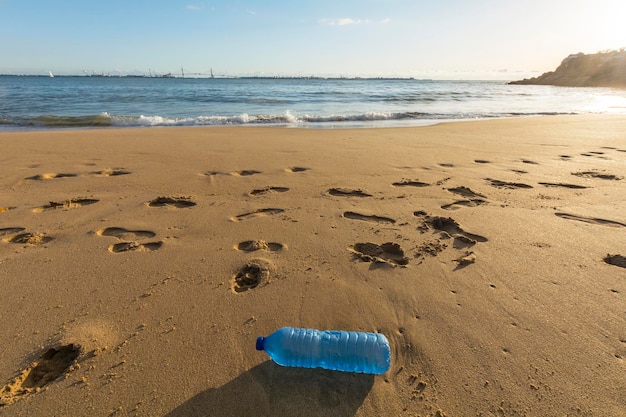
[603, 69]
[231, 77]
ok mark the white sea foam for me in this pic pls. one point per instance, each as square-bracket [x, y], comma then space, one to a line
[290, 119]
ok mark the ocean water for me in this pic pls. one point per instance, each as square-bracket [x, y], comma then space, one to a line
[28, 103]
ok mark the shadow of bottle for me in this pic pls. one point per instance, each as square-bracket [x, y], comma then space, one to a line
[271, 390]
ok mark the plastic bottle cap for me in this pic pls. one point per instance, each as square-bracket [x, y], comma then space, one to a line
[260, 343]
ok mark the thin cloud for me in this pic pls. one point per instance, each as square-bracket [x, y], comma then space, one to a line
[344, 21]
[194, 7]
[250, 11]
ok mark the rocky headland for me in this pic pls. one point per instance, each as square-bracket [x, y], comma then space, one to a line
[603, 69]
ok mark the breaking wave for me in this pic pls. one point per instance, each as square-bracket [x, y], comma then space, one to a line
[287, 118]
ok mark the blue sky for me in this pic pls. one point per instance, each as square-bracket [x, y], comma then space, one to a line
[441, 39]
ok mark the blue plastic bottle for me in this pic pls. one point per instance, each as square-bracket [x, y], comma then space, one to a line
[330, 349]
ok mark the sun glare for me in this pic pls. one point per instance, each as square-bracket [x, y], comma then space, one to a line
[607, 103]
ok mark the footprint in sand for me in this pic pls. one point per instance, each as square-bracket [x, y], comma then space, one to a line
[110, 173]
[410, 183]
[67, 204]
[592, 220]
[176, 202]
[474, 202]
[254, 245]
[617, 260]
[563, 185]
[462, 239]
[465, 192]
[124, 234]
[10, 231]
[52, 365]
[245, 173]
[212, 175]
[296, 169]
[368, 218]
[389, 253]
[482, 161]
[257, 213]
[129, 244]
[507, 185]
[33, 239]
[528, 161]
[250, 276]
[41, 177]
[597, 174]
[268, 190]
[450, 226]
[347, 192]
[599, 155]
[473, 199]
[135, 246]
[446, 165]
[450, 229]
[2, 209]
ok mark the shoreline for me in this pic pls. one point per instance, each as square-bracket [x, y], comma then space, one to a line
[487, 252]
[381, 124]
[355, 125]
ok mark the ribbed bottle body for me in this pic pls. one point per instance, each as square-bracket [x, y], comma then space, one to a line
[330, 349]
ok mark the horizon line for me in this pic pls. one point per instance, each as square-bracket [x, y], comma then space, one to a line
[501, 74]
[259, 77]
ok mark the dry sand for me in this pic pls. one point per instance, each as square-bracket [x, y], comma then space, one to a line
[138, 266]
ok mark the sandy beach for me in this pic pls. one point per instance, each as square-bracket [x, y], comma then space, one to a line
[138, 266]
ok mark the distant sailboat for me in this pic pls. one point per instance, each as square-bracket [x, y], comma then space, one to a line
[212, 76]
[50, 74]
